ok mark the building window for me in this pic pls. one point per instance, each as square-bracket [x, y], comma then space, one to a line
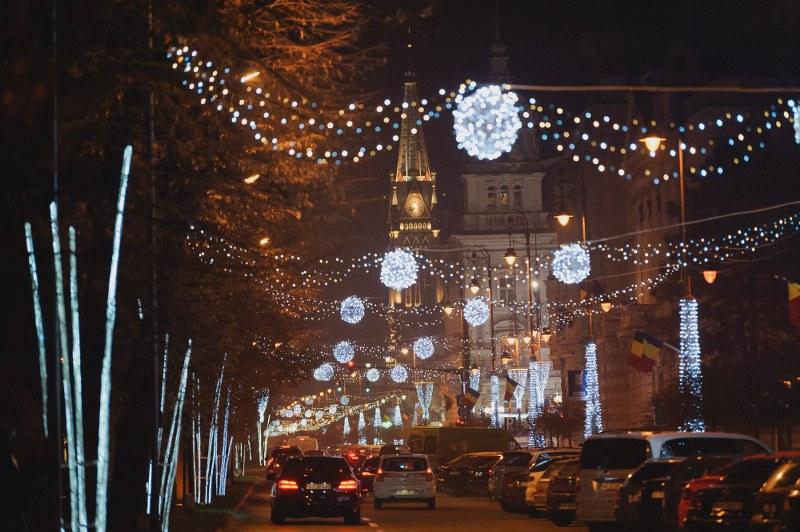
[517, 197]
[507, 290]
[491, 194]
[504, 199]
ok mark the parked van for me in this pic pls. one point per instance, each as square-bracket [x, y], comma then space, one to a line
[607, 459]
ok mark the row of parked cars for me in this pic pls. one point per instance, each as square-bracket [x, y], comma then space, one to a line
[641, 480]
[332, 483]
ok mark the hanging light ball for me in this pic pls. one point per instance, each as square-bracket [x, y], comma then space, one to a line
[298, 410]
[352, 310]
[571, 263]
[324, 372]
[309, 401]
[486, 122]
[423, 347]
[398, 269]
[303, 422]
[308, 413]
[399, 373]
[318, 414]
[343, 352]
[288, 413]
[332, 409]
[373, 374]
[476, 311]
[344, 400]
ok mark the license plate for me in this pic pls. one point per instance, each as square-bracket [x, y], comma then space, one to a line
[657, 495]
[611, 485]
[404, 492]
[727, 506]
[318, 486]
[567, 506]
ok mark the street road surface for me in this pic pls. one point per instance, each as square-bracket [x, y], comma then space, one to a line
[452, 514]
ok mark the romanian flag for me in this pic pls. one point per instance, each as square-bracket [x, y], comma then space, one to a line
[511, 385]
[471, 397]
[645, 351]
[794, 304]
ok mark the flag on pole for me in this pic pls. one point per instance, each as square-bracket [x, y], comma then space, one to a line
[794, 304]
[471, 397]
[511, 385]
[645, 351]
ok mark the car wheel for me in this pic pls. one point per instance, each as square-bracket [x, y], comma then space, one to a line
[432, 504]
[277, 517]
[378, 503]
[353, 518]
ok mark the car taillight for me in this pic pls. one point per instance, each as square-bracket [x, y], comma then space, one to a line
[348, 484]
[379, 475]
[366, 473]
[428, 474]
[269, 462]
[287, 485]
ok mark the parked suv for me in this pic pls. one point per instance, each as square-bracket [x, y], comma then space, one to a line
[404, 478]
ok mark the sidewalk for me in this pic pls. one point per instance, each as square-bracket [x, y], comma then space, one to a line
[212, 518]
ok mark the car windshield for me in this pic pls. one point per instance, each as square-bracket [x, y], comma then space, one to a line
[652, 470]
[751, 472]
[700, 446]
[316, 467]
[515, 459]
[614, 453]
[404, 464]
[371, 464]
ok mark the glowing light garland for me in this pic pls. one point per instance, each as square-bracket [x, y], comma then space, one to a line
[538, 373]
[475, 379]
[323, 373]
[346, 428]
[343, 352]
[690, 371]
[486, 122]
[373, 374]
[398, 269]
[362, 426]
[399, 373]
[494, 397]
[352, 310]
[593, 423]
[476, 311]
[795, 119]
[423, 347]
[425, 397]
[397, 419]
[571, 263]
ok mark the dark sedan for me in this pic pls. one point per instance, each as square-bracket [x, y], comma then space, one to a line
[316, 486]
[790, 519]
[730, 502]
[562, 494]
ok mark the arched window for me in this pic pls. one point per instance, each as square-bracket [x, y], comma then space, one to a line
[517, 197]
[491, 194]
[504, 199]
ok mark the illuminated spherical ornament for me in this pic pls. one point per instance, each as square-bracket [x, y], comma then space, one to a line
[308, 413]
[571, 263]
[423, 347]
[309, 401]
[332, 409]
[399, 373]
[303, 422]
[343, 352]
[344, 400]
[486, 122]
[476, 311]
[318, 414]
[796, 119]
[352, 310]
[373, 374]
[292, 427]
[288, 412]
[398, 269]
[324, 372]
[298, 410]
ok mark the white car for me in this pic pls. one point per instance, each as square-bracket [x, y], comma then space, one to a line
[404, 477]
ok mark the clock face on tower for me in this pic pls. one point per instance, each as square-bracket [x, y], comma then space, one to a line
[415, 206]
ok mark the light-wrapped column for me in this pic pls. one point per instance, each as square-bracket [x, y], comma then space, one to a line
[593, 422]
[690, 371]
[425, 396]
[495, 400]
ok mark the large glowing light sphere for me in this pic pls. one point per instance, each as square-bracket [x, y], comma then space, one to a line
[476, 311]
[399, 373]
[324, 372]
[352, 310]
[298, 410]
[571, 263]
[373, 374]
[343, 352]
[344, 400]
[332, 409]
[399, 269]
[423, 347]
[486, 122]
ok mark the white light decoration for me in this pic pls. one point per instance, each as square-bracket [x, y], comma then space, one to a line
[796, 119]
[352, 310]
[344, 352]
[308, 413]
[399, 373]
[571, 263]
[376, 418]
[318, 414]
[373, 374]
[362, 425]
[494, 390]
[538, 373]
[344, 400]
[690, 373]
[423, 347]
[309, 401]
[298, 410]
[520, 376]
[425, 396]
[593, 423]
[476, 311]
[486, 122]
[398, 269]
[332, 409]
[397, 420]
[324, 372]
[346, 427]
